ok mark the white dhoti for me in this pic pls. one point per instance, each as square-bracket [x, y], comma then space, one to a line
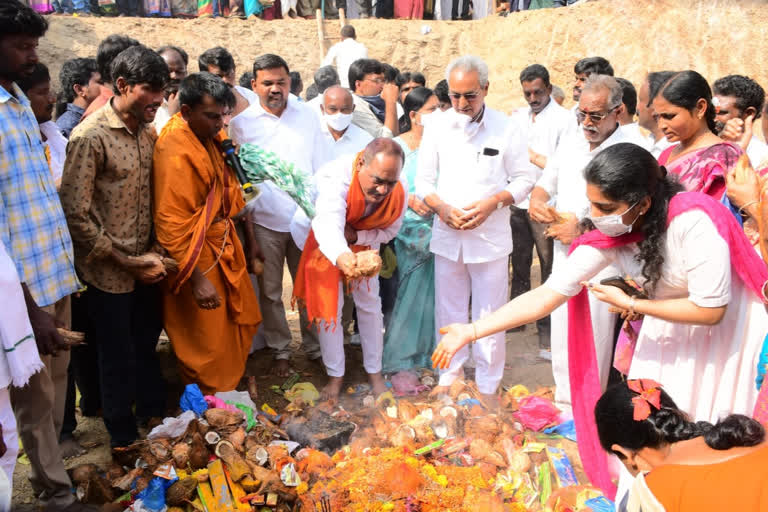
[603, 325]
[11, 439]
[486, 284]
[370, 322]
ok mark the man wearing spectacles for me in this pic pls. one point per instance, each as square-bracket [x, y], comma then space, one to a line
[472, 166]
[375, 99]
[560, 200]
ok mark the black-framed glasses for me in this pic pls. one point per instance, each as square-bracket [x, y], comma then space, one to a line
[469, 96]
[595, 117]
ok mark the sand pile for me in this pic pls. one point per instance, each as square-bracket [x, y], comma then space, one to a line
[715, 37]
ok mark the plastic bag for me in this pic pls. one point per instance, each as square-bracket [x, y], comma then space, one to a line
[236, 397]
[192, 400]
[153, 497]
[304, 390]
[536, 413]
[566, 429]
[407, 383]
[215, 402]
[173, 427]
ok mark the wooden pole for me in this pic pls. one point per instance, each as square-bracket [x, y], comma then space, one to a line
[320, 34]
[342, 17]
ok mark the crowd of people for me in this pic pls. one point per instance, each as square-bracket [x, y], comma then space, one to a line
[305, 9]
[121, 217]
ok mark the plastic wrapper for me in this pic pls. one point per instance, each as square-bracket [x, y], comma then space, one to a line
[600, 504]
[173, 427]
[566, 429]
[407, 383]
[561, 464]
[192, 400]
[536, 413]
[153, 497]
[215, 402]
[306, 391]
[236, 397]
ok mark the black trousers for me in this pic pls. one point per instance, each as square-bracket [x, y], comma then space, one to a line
[123, 328]
[455, 15]
[525, 235]
[128, 7]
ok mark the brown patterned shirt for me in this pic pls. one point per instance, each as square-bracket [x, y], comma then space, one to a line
[106, 194]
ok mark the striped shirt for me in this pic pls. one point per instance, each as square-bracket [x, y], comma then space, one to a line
[32, 223]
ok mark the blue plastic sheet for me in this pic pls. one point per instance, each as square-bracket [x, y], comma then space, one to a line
[192, 400]
[601, 504]
[153, 497]
[567, 430]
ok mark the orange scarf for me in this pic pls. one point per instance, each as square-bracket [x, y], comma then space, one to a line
[317, 281]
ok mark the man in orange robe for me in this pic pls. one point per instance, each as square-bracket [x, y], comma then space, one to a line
[360, 205]
[210, 309]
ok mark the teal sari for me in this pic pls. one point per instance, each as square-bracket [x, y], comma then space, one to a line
[410, 336]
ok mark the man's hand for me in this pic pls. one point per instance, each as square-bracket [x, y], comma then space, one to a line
[347, 264]
[147, 268]
[477, 213]
[390, 93]
[540, 212]
[418, 206]
[254, 258]
[744, 188]
[173, 103]
[537, 159]
[49, 341]
[739, 131]
[566, 231]
[450, 216]
[350, 234]
[204, 292]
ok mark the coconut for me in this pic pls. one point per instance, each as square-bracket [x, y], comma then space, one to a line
[250, 484]
[237, 438]
[180, 454]
[421, 425]
[257, 454]
[83, 473]
[224, 421]
[212, 437]
[97, 491]
[406, 411]
[457, 387]
[236, 465]
[484, 427]
[125, 482]
[405, 435]
[440, 428]
[482, 450]
[368, 263]
[198, 453]
[160, 449]
[114, 471]
[181, 491]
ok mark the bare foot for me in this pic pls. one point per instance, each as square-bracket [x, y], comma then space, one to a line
[439, 390]
[332, 390]
[492, 401]
[71, 448]
[377, 383]
[281, 368]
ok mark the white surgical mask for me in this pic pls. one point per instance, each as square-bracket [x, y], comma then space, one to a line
[338, 121]
[613, 225]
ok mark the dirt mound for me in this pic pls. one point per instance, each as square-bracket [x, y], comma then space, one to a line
[714, 37]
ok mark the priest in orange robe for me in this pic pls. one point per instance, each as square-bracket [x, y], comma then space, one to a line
[210, 309]
[360, 205]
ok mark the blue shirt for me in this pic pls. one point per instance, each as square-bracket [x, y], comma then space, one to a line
[32, 223]
[69, 119]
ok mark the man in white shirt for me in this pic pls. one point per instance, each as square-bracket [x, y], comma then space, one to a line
[562, 181]
[375, 100]
[345, 53]
[324, 77]
[177, 61]
[582, 70]
[472, 166]
[656, 139]
[740, 98]
[629, 126]
[280, 124]
[360, 205]
[546, 124]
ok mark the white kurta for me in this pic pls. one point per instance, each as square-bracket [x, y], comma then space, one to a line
[563, 179]
[709, 371]
[333, 182]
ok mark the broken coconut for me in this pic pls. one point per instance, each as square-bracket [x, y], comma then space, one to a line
[238, 468]
[181, 491]
[224, 421]
[180, 455]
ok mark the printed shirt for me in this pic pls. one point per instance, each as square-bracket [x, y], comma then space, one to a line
[106, 195]
[32, 224]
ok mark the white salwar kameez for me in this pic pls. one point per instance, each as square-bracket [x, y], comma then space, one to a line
[708, 370]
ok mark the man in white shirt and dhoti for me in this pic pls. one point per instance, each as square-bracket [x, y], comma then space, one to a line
[472, 166]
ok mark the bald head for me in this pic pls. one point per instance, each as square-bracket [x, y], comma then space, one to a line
[337, 99]
[380, 169]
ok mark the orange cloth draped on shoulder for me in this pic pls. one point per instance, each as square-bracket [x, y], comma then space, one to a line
[734, 484]
[317, 280]
[195, 198]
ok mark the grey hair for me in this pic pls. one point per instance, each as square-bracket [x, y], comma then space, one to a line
[557, 92]
[468, 63]
[597, 82]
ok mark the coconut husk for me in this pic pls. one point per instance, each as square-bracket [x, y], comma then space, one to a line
[181, 491]
[406, 411]
[257, 454]
[368, 263]
[266, 477]
[481, 450]
[125, 482]
[485, 427]
[457, 387]
[423, 428]
[198, 453]
[237, 438]
[114, 471]
[404, 436]
[277, 453]
[237, 466]
[161, 449]
[224, 421]
[128, 455]
[97, 491]
[83, 473]
[180, 454]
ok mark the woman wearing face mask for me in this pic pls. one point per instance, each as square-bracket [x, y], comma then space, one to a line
[704, 318]
[680, 465]
[410, 335]
[685, 114]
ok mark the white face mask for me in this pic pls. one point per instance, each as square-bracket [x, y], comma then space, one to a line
[613, 225]
[338, 121]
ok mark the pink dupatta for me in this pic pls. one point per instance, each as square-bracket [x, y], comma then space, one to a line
[582, 361]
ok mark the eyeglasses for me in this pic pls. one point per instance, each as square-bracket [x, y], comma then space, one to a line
[375, 80]
[595, 117]
[469, 96]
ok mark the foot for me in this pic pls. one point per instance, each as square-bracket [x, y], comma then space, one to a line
[332, 390]
[378, 383]
[439, 390]
[281, 368]
[491, 401]
[71, 448]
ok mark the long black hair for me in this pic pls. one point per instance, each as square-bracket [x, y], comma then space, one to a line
[626, 172]
[413, 102]
[685, 89]
[614, 415]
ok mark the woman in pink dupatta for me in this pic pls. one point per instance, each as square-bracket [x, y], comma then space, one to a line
[704, 322]
[685, 114]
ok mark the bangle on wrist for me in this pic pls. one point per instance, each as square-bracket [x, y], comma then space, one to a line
[750, 203]
[474, 333]
[632, 301]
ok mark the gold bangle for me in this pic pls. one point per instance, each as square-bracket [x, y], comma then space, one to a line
[741, 210]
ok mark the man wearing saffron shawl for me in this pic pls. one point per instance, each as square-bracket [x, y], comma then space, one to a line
[360, 205]
[210, 309]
